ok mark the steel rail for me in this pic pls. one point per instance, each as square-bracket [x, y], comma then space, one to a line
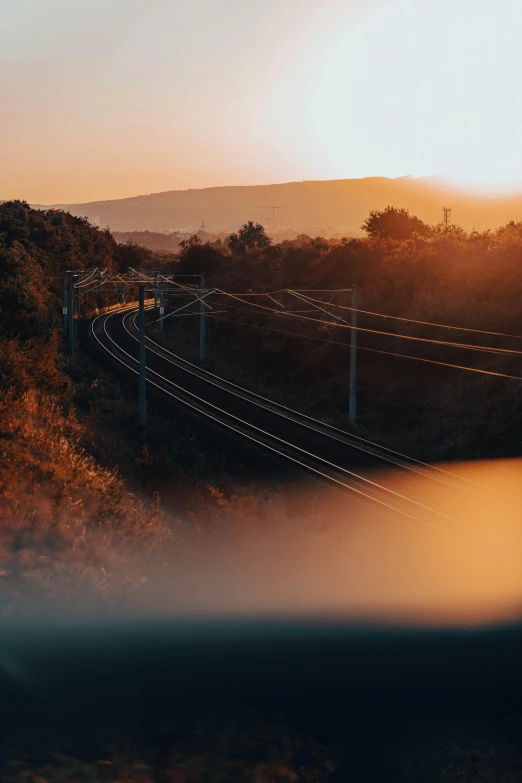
[315, 425]
[197, 372]
[265, 403]
[308, 454]
[200, 409]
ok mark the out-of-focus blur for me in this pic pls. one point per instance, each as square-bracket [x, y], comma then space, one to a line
[300, 614]
[346, 556]
[448, 554]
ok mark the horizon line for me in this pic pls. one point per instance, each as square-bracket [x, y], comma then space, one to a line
[462, 187]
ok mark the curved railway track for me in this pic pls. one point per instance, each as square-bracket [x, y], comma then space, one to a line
[333, 455]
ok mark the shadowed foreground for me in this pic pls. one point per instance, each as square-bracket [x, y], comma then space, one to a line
[381, 702]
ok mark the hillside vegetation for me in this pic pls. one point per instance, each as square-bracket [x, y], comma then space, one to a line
[81, 497]
[55, 498]
[403, 268]
[79, 500]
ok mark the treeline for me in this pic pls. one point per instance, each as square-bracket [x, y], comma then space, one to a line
[438, 274]
[403, 266]
[81, 512]
[36, 247]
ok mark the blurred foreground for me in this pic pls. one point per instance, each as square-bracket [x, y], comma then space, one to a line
[442, 549]
[395, 645]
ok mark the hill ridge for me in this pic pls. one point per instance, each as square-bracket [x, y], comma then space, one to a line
[333, 204]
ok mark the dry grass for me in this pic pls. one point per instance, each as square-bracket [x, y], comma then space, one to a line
[65, 522]
[76, 535]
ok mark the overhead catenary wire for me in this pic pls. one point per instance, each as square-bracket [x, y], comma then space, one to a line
[330, 429]
[411, 320]
[89, 282]
[322, 460]
[93, 285]
[371, 350]
[135, 279]
[85, 280]
[197, 299]
[274, 300]
[168, 279]
[360, 477]
[247, 310]
[284, 290]
[287, 456]
[332, 315]
[142, 277]
[329, 304]
[446, 343]
[192, 291]
[306, 292]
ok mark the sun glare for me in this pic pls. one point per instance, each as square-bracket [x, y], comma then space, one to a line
[424, 88]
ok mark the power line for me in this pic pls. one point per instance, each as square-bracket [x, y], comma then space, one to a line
[84, 280]
[368, 312]
[370, 350]
[247, 310]
[465, 346]
[198, 299]
[88, 281]
[338, 431]
[241, 431]
[414, 321]
[89, 285]
[261, 206]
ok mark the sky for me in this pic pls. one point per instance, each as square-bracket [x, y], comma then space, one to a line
[107, 99]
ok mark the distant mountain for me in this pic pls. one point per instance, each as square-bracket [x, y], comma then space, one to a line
[339, 205]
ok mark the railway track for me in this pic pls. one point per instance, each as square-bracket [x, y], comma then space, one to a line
[330, 454]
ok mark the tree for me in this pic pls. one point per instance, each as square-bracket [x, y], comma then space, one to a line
[249, 237]
[195, 257]
[25, 295]
[393, 223]
[450, 231]
[187, 244]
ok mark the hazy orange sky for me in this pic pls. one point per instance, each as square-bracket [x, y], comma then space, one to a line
[112, 98]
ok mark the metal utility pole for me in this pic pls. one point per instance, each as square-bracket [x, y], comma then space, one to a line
[446, 217]
[100, 300]
[79, 293]
[70, 312]
[143, 370]
[65, 279]
[202, 323]
[162, 305]
[353, 358]
[155, 292]
[123, 293]
[260, 206]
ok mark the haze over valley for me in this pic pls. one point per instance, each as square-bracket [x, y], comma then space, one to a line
[329, 207]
